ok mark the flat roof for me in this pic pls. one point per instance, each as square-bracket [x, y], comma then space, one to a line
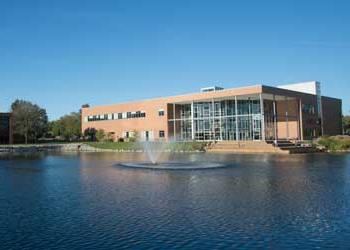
[237, 91]
[253, 89]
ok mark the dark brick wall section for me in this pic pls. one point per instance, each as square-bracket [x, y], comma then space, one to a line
[5, 128]
[332, 116]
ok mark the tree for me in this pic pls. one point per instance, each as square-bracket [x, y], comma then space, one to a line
[68, 126]
[90, 133]
[100, 135]
[346, 124]
[54, 128]
[29, 120]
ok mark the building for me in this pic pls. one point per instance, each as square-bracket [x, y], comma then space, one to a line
[5, 128]
[288, 112]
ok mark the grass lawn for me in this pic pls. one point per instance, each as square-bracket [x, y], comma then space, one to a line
[175, 146]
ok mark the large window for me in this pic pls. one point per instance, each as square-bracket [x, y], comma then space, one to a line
[217, 120]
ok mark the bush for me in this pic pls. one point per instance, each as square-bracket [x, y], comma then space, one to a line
[109, 137]
[100, 135]
[90, 134]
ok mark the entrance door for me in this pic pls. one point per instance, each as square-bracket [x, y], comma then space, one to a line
[146, 135]
[256, 127]
[217, 130]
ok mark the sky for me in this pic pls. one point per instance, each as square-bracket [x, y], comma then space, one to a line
[62, 54]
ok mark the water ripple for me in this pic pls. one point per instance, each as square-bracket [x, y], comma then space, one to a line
[85, 202]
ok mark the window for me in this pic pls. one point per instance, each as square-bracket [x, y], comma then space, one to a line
[116, 116]
[161, 134]
[161, 112]
[309, 109]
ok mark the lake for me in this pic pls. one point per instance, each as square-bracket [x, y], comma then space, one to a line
[88, 201]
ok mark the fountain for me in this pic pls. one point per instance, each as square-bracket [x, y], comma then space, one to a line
[154, 152]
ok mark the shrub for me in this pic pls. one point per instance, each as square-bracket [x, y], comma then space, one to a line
[109, 137]
[100, 135]
[335, 143]
[90, 134]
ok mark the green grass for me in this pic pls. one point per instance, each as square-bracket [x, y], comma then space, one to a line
[187, 146]
[115, 145]
[335, 143]
[134, 146]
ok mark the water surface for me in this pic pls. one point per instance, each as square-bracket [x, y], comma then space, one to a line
[86, 201]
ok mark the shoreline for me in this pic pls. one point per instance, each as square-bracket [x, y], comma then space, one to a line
[84, 147]
[74, 147]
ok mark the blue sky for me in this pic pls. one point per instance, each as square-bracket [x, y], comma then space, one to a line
[61, 54]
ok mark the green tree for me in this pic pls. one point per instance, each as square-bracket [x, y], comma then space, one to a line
[346, 124]
[90, 134]
[100, 135]
[68, 126]
[29, 120]
[54, 128]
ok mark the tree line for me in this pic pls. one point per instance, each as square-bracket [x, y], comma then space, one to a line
[30, 124]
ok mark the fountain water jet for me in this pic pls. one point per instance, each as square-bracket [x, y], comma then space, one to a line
[154, 152]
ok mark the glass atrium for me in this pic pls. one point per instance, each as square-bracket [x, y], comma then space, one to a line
[237, 118]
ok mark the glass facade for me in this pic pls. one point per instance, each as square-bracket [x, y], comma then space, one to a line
[228, 119]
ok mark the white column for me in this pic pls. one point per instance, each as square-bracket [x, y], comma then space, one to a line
[174, 121]
[287, 125]
[220, 122]
[213, 120]
[236, 114]
[301, 120]
[192, 121]
[250, 117]
[226, 132]
[275, 119]
[262, 112]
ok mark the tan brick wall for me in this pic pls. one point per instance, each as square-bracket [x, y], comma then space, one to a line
[153, 122]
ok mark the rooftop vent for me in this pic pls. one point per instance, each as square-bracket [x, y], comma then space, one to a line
[211, 89]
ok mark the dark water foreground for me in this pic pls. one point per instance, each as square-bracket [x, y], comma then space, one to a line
[86, 201]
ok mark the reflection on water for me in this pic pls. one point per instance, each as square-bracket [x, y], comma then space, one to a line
[70, 201]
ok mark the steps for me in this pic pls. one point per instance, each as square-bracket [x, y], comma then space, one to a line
[283, 147]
